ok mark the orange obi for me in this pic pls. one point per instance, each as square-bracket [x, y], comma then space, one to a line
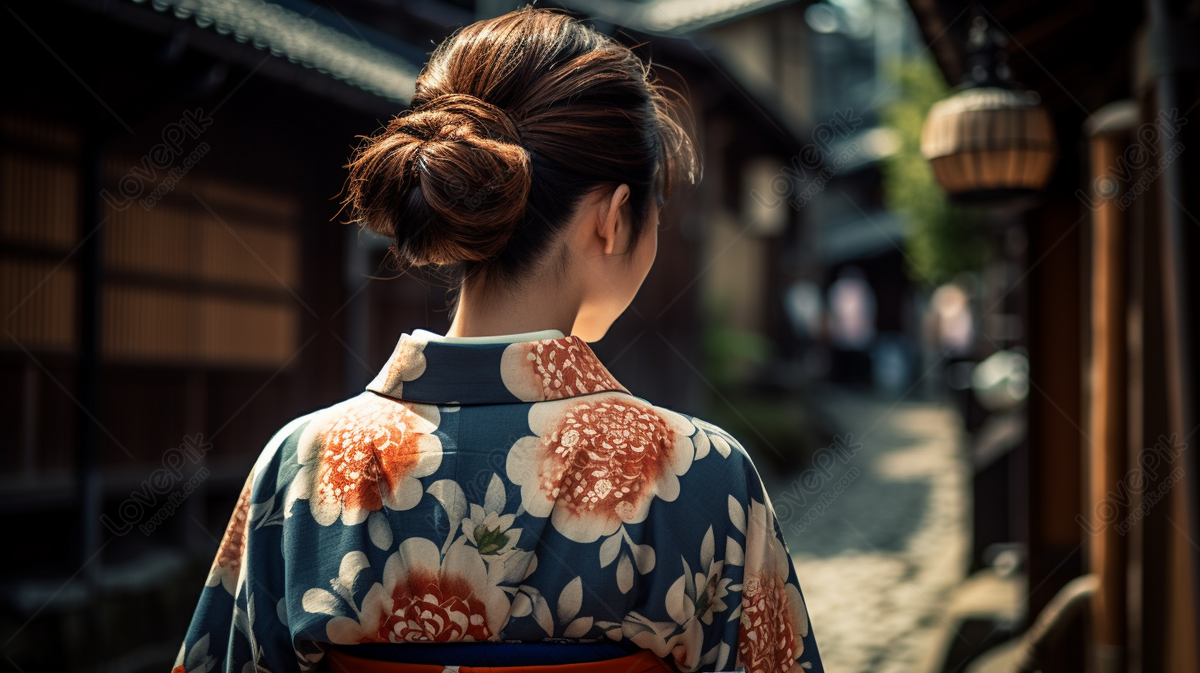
[640, 662]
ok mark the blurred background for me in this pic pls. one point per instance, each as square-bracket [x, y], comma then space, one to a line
[938, 277]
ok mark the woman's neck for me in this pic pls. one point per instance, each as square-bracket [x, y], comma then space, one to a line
[529, 307]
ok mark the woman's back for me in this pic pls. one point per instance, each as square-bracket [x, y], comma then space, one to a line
[511, 492]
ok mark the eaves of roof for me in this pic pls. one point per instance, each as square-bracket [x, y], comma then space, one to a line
[309, 35]
[306, 45]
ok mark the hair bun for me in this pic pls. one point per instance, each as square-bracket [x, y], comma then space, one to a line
[448, 180]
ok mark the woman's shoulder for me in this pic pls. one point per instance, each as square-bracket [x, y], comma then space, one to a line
[362, 409]
[288, 441]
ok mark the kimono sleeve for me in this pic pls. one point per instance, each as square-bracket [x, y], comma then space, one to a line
[773, 632]
[239, 625]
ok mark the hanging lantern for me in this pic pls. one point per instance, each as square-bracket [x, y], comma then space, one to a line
[991, 141]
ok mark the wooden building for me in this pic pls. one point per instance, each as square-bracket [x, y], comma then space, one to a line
[1105, 485]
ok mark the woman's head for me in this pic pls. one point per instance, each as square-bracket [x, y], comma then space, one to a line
[523, 130]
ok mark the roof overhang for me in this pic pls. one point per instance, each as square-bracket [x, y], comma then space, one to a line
[298, 42]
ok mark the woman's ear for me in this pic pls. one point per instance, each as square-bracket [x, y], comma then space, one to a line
[613, 222]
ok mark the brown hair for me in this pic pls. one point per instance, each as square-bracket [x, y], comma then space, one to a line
[514, 120]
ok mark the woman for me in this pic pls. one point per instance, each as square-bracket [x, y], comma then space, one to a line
[505, 496]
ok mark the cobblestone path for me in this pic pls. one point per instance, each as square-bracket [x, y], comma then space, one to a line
[879, 536]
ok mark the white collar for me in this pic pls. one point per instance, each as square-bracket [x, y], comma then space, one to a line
[425, 335]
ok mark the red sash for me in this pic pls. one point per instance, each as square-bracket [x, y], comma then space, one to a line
[642, 662]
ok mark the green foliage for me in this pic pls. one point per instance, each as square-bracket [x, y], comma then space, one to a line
[943, 240]
[731, 354]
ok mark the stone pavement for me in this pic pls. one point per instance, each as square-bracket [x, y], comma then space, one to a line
[880, 536]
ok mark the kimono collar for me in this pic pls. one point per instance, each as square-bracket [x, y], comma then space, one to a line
[436, 370]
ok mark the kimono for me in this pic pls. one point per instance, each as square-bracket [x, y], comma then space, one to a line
[505, 492]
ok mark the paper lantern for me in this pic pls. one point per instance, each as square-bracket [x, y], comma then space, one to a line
[989, 144]
[991, 141]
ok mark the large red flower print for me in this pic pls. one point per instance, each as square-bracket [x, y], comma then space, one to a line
[598, 461]
[364, 455]
[424, 597]
[227, 564]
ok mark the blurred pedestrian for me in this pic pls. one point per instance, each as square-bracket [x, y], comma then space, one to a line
[852, 325]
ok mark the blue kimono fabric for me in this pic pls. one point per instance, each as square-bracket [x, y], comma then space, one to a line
[504, 493]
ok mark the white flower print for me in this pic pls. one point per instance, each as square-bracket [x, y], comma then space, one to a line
[491, 533]
[669, 640]
[487, 529]
[424, 597]
[691, 602]
[699, 596]
[708, 435]
[363, 455]
[643, 558]
[195, 660]
[529, 601]
[597, 462]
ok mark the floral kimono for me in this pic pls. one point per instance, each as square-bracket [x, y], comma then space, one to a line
[507, 492]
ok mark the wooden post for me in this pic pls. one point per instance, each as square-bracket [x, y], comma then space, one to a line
[1106, 397]
[1053, 460]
